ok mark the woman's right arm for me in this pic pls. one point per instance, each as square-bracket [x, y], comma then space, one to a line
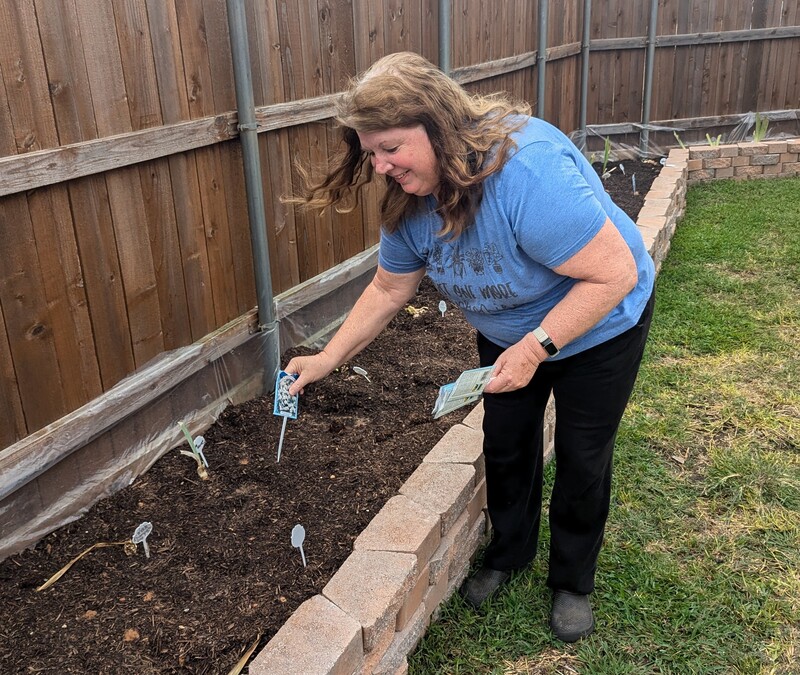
[381, 300]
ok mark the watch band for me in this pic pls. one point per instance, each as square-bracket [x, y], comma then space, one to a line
[544, 339]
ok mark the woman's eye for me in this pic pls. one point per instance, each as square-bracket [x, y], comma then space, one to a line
[391, 151]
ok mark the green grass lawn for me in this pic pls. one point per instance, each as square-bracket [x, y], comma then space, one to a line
[700, 571]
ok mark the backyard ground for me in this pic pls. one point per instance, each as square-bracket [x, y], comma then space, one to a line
[223, 573]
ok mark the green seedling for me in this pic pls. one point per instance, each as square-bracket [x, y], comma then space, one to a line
[760, 129]
[714, 142]
[606, 155]
[197, 445]
[678, 138]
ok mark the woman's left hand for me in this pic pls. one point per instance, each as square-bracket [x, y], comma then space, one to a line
[515, 367]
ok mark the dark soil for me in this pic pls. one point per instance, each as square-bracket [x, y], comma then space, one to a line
[222, 572]
[620, 185]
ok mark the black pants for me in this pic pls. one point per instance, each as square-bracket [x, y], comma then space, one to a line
[591, 390]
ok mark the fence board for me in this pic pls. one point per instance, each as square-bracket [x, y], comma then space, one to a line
[104, 68]
[717, 74]
[230, 156]
[199, 85]
[141, 82]
[430, 31]
[27, 87]
[28, 322]
[336, 22]
[45, 278]
[303, 71]
[274, 151]
[184, 182]
[12, 421]
[792, 95]
[57, 255]
[368, 46]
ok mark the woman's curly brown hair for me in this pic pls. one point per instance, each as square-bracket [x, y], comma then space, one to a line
[470, 136]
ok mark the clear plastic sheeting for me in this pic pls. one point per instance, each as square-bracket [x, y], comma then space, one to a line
[54, 476]
[626, 140]
[308, 314]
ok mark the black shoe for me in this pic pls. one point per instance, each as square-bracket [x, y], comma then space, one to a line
[482, 585]
[571, 618]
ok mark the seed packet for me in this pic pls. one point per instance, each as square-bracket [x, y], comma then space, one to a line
[286, 405]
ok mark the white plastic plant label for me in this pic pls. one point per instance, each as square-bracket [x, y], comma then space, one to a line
[140, 535]
[298, 537]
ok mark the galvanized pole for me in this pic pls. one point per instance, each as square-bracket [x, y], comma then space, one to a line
[541, 58]
[644, 136]
[444, 36]
[248, 135]
[585, 47]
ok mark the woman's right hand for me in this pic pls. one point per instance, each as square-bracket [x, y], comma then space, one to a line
[308, 369]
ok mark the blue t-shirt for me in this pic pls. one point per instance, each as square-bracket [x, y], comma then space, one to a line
[543, 207]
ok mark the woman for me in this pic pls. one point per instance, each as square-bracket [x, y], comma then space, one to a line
[513, 225]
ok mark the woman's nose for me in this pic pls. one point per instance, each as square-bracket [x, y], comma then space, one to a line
[381, 165]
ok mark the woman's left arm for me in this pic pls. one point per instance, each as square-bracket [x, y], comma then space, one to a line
[606, 273]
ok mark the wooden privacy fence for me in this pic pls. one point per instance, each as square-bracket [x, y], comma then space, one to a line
[123, 218]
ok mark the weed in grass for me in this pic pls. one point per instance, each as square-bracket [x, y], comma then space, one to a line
[699, 570]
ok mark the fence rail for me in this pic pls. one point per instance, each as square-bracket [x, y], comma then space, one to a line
[122, 212]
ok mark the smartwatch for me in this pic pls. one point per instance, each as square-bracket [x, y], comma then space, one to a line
[544, 339]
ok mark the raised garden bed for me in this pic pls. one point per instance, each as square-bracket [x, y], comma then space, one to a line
[222, 572]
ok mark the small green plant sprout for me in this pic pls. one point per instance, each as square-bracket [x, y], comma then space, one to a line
[760, 129]
[606, 155]
[298, 537]
[714, 142]
[197, 445]
[442, 307]
[680, 142]
[358, 370]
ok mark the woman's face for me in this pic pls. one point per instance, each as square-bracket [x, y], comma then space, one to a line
[404, 154]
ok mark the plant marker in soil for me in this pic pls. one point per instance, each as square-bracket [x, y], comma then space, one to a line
[286, 405]
[360, 371]
[298, 537]
[139, 537]
[442, 306]
[141, 533]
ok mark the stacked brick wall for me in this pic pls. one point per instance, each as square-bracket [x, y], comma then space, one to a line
[740, 161]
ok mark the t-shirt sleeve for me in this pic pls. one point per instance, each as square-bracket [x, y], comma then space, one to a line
[550, 205]
[397, 254]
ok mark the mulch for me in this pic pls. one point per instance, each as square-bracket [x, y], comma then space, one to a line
[222, 572]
